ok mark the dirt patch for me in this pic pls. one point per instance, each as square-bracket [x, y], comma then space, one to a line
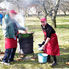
[1, 52]
[1, 55]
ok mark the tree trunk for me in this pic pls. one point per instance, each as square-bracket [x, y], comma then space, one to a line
[64, 13]
[54, 13]
[38, 15]
[45, 16]
[53, 18]
[54, 22]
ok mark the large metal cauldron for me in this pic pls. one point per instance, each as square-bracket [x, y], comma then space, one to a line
[26, 43]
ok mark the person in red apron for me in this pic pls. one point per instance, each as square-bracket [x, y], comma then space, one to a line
[10, 39]
[50, 46]
[10, 30]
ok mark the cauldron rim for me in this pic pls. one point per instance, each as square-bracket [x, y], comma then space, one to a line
[27, 33]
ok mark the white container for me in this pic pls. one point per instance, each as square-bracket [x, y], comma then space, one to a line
[42, 57]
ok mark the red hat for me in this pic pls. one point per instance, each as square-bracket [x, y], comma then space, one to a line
[43, 19]
[12, 11]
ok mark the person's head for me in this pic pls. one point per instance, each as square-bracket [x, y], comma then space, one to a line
[43, 21]
[12, 13]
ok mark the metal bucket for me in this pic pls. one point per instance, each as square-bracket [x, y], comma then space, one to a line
[26, 43]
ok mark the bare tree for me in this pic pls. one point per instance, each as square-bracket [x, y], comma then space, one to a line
[42, 6]
[64, 6]
[48, 7]
[54, 13]
[20, 4]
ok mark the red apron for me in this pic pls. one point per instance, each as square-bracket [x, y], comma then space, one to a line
[52, 48]
[10, 43]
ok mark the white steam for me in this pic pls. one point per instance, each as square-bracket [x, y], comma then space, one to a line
[20, 18]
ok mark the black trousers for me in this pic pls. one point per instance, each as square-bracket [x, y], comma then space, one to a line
[9, 54]
[54, 58]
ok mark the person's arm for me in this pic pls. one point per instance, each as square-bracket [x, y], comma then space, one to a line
[47, 40]
[19, 26]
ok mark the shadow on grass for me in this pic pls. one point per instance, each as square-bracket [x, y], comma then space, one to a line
[64, 57]
[63, 26]
[38, 27]
[34, 26]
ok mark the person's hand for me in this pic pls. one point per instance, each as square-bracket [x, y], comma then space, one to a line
[26, 31]
[43, 47]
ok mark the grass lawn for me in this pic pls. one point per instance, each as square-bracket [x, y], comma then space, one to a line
[33, 24]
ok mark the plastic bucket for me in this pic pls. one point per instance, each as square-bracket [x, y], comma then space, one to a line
[42, 57]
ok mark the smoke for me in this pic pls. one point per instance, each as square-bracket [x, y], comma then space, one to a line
[27, 2]
[20, 18]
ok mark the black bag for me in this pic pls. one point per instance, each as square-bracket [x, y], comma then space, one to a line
[40, 45]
